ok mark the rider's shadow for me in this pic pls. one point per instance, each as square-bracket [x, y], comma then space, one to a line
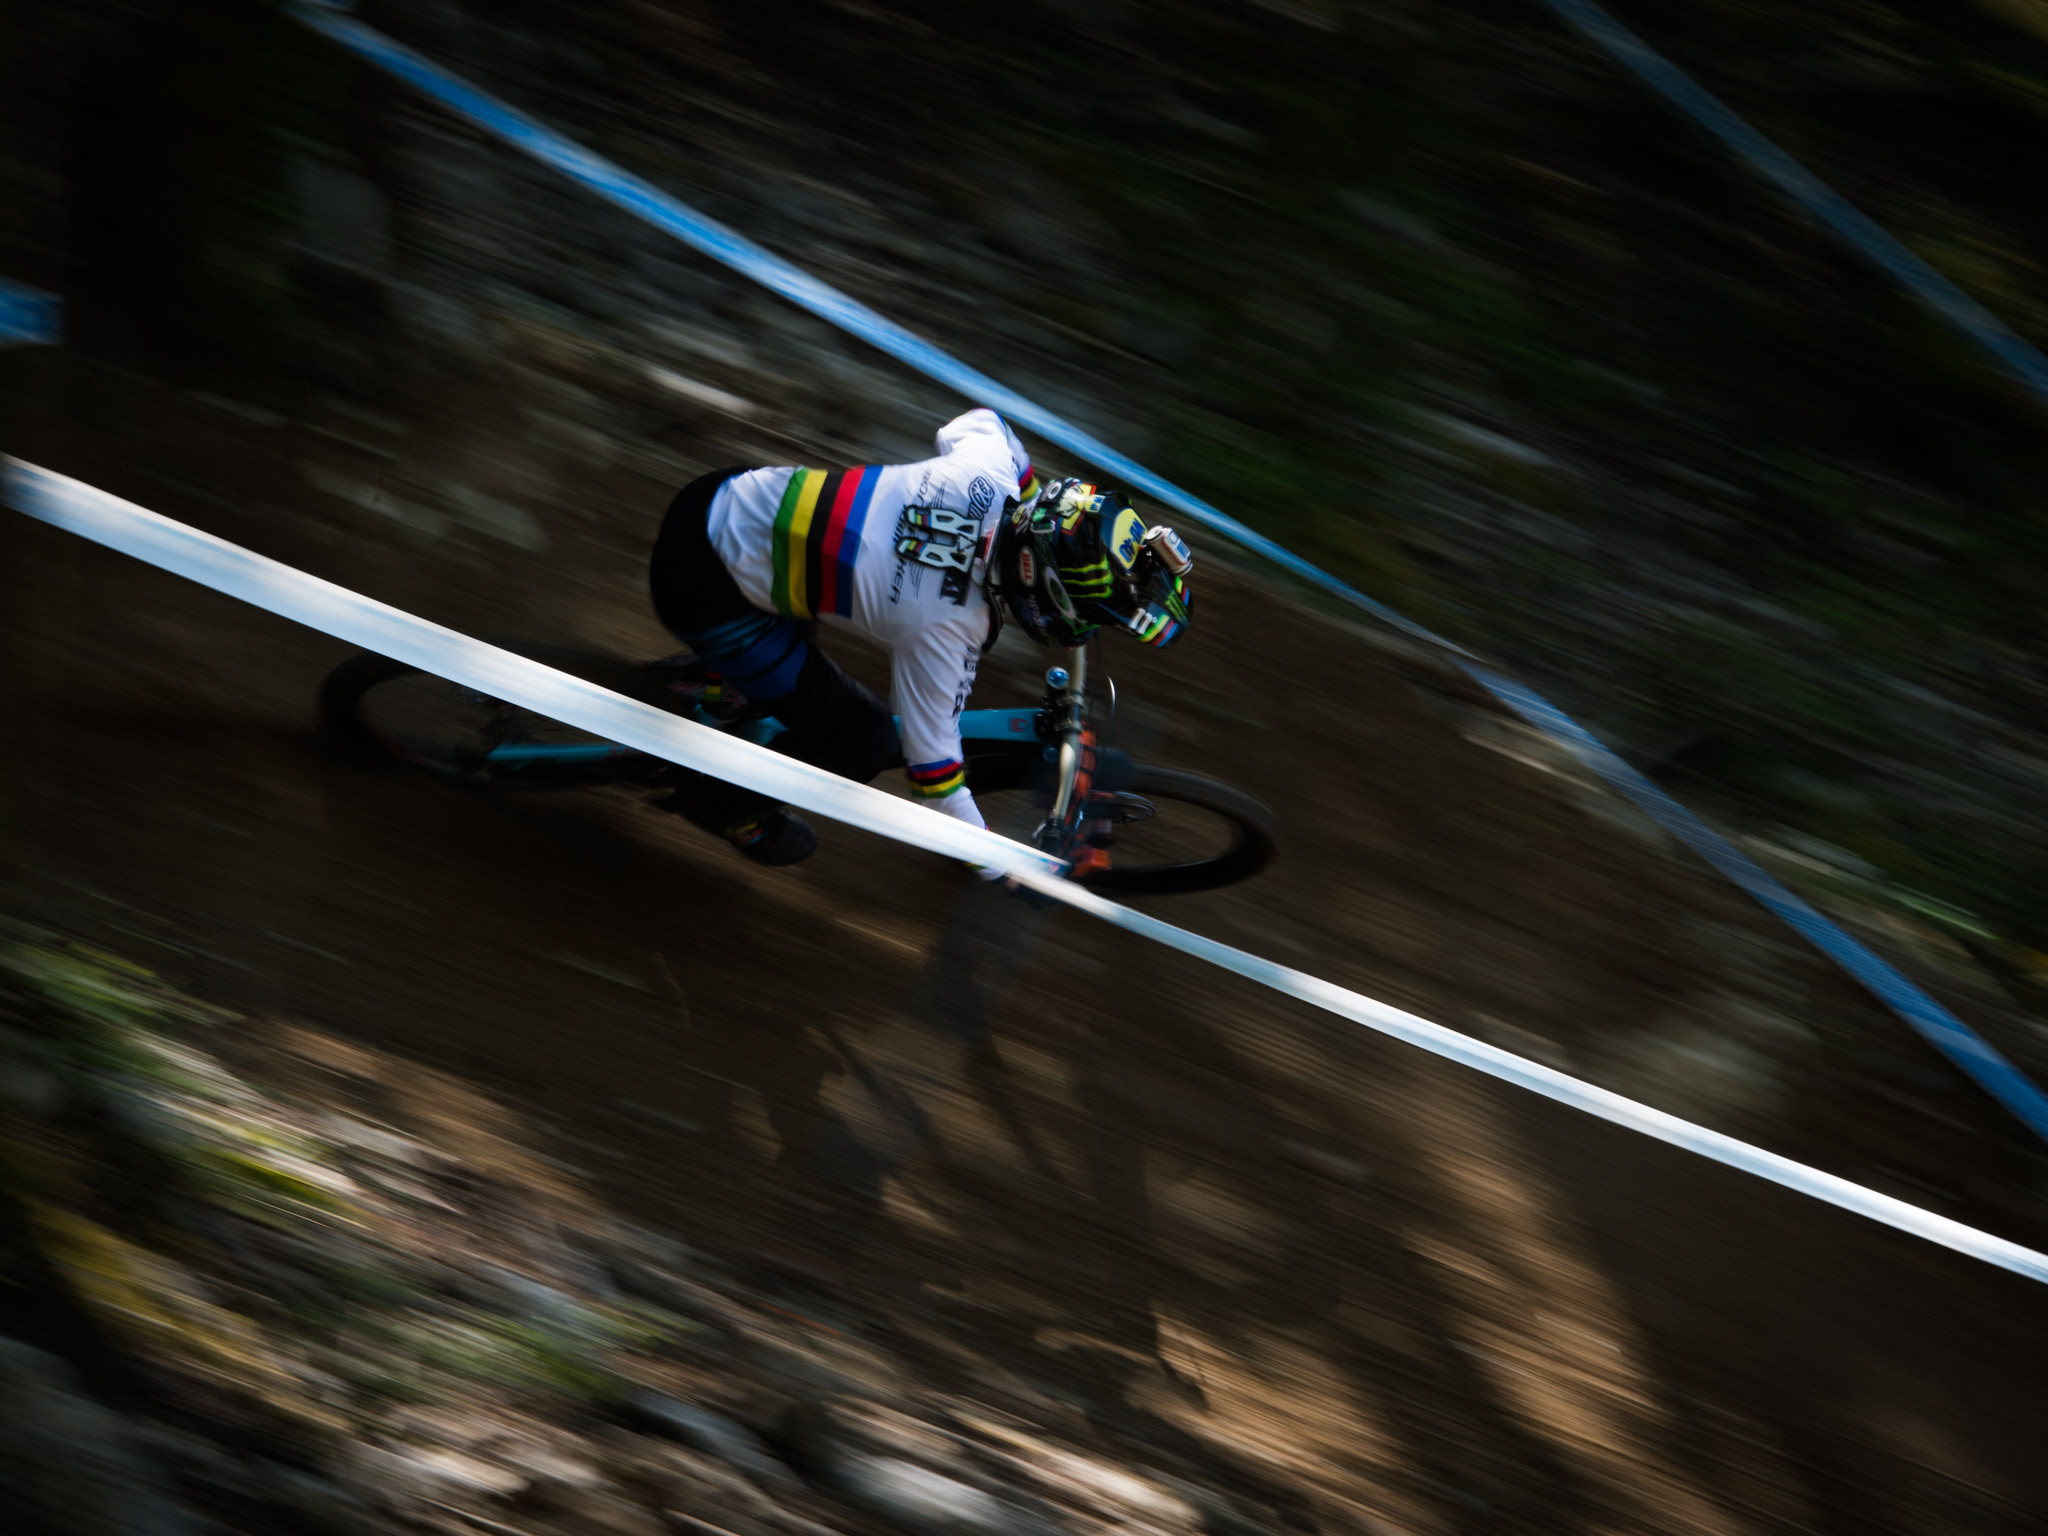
[1080, 1270]
[878, 1121]
[865, 1108]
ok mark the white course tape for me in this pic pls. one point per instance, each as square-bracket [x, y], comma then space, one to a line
[215, 563]
[1611, 1107]
[257, 579]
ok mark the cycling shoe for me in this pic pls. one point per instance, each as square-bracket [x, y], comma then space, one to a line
[774, 837]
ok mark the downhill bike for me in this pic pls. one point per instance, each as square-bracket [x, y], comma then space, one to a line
[1040, 774]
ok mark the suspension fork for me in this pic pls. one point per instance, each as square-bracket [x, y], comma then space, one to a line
[1066, 698]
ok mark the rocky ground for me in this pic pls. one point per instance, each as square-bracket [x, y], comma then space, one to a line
[335, 1292]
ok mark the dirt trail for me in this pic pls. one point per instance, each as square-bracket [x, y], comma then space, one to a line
[1073, 1175]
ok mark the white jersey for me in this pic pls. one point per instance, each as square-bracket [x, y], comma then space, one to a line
[898, 552]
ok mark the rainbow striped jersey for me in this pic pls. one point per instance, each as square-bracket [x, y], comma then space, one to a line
[896, 551]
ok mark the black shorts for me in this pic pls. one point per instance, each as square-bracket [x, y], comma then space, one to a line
[696, 598]
[830, 719]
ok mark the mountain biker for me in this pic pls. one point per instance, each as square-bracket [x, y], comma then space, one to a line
[925, 557]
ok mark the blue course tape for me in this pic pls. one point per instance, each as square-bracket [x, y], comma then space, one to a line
[280, 589]
[1950, 1035]
[807, 292]
[29, 315]
[1947, 1033]
[1867, 238]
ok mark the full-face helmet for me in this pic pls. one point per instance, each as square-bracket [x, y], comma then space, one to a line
[1079, 558]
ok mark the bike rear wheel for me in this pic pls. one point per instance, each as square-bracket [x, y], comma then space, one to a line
[1171, 832]
[375, 708]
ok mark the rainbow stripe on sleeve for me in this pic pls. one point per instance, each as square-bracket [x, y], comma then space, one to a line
[934, 781]
[817, 540]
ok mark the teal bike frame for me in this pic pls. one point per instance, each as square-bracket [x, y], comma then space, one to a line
[975, 725]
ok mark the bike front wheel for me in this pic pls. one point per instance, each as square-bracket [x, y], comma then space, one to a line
[1169, 832]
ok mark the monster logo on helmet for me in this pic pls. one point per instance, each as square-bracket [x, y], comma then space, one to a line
[1079, 557]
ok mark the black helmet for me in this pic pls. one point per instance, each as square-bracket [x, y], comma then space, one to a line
[1078, 557]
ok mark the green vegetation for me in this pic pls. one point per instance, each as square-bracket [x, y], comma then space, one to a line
[267, 1241]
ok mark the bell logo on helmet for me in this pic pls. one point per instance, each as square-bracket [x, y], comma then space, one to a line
[1027, 566]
